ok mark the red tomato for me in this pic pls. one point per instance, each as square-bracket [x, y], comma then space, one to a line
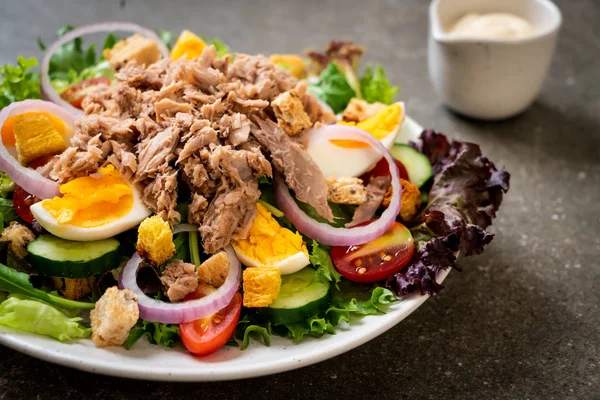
[382, 169]
[22, 201]
[378, 259]
[77, 92]
[207, 335]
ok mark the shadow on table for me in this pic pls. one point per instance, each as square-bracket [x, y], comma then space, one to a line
[570, 134]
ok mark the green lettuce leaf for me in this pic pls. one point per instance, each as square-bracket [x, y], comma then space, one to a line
[34, 316]
[313, 326]
[333, 88]
[246, 328]
[7, 186]
[16, 282]
[320, 259]
[7, 210]
[342, 213]
[375, 86]
[166, 335]
[17, 83]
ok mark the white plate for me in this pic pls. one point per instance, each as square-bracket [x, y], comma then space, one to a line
[146, 361]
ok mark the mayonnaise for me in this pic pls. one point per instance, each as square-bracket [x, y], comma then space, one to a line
[492, 26]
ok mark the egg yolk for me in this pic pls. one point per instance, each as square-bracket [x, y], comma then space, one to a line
[92, 201]
[268, 242]
[189, 45]
[8, 129]
[379, 125]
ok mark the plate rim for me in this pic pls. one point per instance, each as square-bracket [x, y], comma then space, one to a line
[19, 341]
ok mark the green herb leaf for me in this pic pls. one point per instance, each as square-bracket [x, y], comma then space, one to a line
[333, 88]
[7, 210]
[375, 86]
[17, 83]
[16, 282]
[182, 247]
[19, 312]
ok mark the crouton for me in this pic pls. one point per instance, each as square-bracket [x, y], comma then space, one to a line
[180, 279]
[261, 286]
[17, 236]
[115, 313]
[346, 190]
[214, 271]
[359, 110]
[155, 240]
[142, 50]
[291, 62]
[74, 288]
[289, 110]
[35, 137]
[410, 200]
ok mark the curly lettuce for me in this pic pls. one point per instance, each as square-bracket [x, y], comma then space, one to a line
[466, 193]
[166, 335]
[18, 82]
[375, 87]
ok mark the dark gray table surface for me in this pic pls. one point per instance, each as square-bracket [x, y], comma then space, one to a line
[521, 321]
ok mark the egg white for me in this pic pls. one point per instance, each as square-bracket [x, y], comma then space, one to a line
[135, 216]
[288, 265]
[336, 161]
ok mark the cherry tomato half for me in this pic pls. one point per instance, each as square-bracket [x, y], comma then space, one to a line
[22, 201]
[378, 259]
[207, 335]
[381, 169]
[77, 92]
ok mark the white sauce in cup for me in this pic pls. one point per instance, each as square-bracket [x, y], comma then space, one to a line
[492, 26]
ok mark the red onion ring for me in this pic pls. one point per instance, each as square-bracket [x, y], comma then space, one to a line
[175, 313]
[184, 228]
[29, 179]
[48, 91]
[325, 233]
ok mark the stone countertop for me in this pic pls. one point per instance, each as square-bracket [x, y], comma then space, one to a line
[520, 321]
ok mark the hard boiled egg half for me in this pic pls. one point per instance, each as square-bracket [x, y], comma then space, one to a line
[92, 207]
[352, 158]
[269, 244]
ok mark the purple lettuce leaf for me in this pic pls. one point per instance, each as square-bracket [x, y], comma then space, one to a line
[466, 192]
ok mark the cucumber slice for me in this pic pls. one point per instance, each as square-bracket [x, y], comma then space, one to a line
[417, 164]
[53, 256]
[299, 298]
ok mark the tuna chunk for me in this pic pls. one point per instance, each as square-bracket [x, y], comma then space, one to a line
[375, 194]
[226, 214]
[180, 279]
[301, 173]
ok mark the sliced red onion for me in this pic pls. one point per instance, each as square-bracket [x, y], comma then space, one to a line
[48, 91]
[175, 313]
[29, 179]
[328, 234]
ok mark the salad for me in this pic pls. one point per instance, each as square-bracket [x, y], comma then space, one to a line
[184, 192]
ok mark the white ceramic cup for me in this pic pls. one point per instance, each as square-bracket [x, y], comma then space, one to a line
[491, 78]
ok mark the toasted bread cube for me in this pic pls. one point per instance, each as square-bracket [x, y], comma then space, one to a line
[214, 271]
[346, 190]
[74, 288]
[115, 313]
[289, 110]
[155, 240]
[261, 286]
[359, 110]
[142, 50]
[35, 137]
[291, 62]
[410, 200]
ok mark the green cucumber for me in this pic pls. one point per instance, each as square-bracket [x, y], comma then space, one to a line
[300, 297]
[53, 256]
[417, 164]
